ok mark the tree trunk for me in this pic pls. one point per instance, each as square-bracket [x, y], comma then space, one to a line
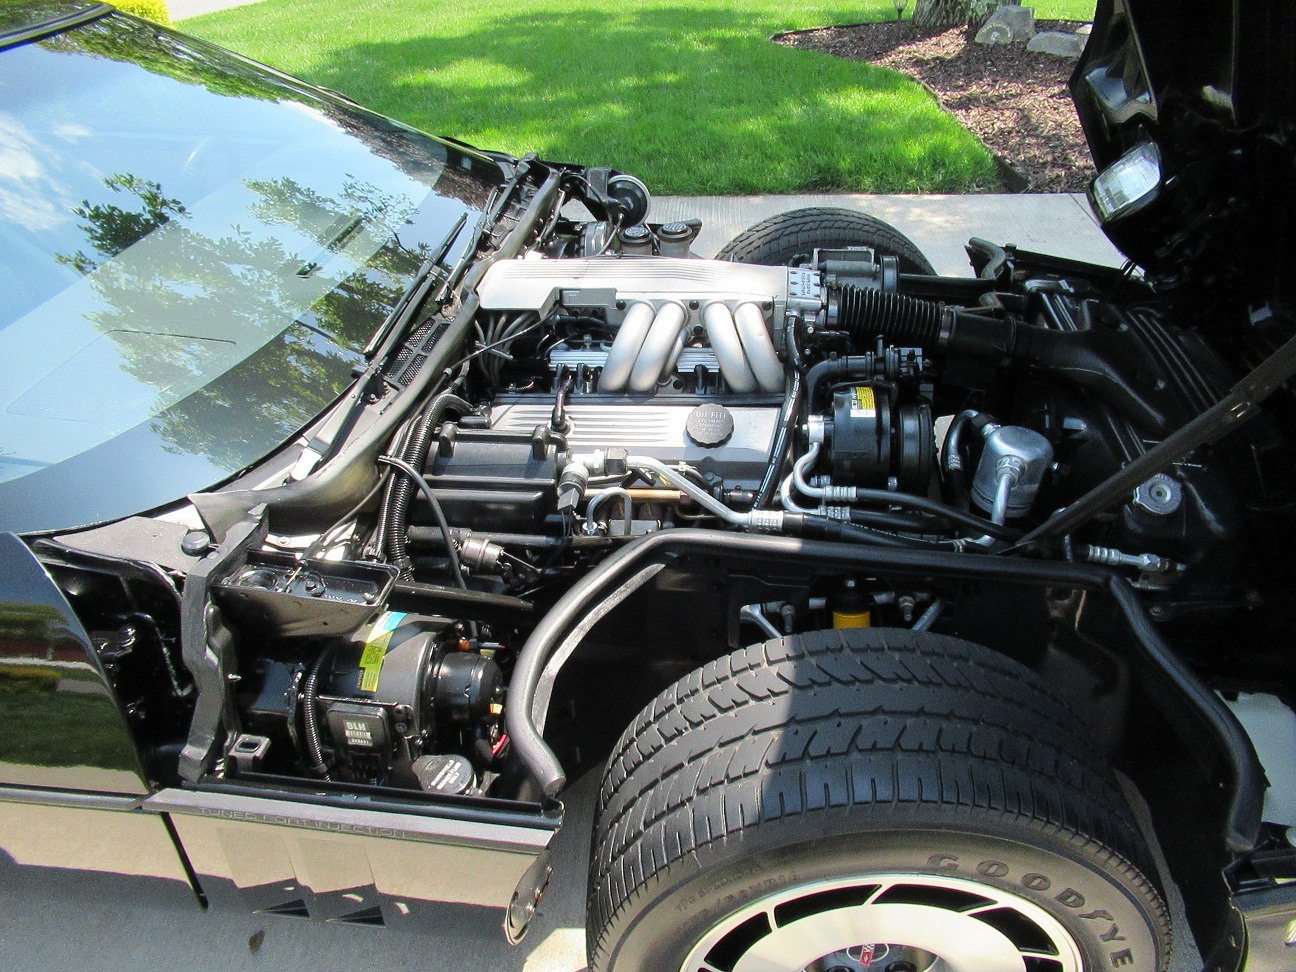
[952, 13]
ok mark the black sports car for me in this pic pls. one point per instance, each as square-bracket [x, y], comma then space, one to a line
[359, 487]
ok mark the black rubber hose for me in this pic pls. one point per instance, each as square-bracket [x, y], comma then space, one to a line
[382, 529]
[432, 535]
[402, 491]
[956, 488]
[899, 522]
[936, 508]
[310, 718]
[452, 551]
[821, 528]
[913, 322]
[457, 599]
[787, 420]
[836, 368]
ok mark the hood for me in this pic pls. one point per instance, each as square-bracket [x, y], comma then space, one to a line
[1212, 85]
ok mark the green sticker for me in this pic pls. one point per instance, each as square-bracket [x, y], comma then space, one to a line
[375, 649]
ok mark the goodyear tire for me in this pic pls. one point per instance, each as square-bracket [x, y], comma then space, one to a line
[790, 237]
[872, 799]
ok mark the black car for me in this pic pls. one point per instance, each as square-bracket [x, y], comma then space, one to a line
[360, 488]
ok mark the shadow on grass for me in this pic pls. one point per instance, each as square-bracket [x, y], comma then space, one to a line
[692, 101]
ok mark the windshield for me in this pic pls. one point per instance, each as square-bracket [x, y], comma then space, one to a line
[193, 252]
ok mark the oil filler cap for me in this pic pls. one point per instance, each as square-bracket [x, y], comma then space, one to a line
[709, 425]
[451, 773]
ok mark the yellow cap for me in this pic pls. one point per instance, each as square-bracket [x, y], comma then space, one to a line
[852, 619]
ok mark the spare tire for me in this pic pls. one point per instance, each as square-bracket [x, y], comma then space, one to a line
[876, 799]
[793, 236]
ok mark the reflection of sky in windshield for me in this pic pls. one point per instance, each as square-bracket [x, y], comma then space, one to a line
[266, 207]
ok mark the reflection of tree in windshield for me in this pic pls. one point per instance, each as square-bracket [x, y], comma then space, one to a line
[240, 286]
[111, 229]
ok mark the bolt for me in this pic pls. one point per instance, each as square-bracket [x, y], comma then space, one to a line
[906, 604]
[1157, 611]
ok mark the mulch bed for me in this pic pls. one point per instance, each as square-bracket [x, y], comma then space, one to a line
[1014, 101]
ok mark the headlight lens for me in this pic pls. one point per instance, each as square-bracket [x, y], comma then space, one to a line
[1129, 183]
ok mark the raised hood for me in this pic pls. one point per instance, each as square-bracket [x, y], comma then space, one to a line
[1212, 83]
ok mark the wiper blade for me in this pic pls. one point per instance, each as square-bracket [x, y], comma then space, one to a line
[335, 430]
[410, 301]
[325, 443]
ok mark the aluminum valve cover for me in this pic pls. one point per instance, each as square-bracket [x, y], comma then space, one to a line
[658, 431]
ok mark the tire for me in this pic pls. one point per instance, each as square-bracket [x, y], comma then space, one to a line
[785, 237]
[817, 800]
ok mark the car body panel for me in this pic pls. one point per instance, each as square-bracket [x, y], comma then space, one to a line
[1213, 84]
[341, 863]
[60, 722]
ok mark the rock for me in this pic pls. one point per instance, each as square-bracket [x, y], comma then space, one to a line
[1009, 24]
[994, 34]
[1057, 43]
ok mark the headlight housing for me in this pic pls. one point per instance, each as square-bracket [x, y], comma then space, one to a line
[1128, 184]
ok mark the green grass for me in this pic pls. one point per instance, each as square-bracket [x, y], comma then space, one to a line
[690, 96]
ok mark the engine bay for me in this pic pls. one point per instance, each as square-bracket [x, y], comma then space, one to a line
[588, 384]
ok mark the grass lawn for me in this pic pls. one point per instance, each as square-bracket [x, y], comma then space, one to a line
[689, 95]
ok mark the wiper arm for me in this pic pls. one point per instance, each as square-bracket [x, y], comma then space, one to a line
[414, 295]
[326, 441]
[338, 426]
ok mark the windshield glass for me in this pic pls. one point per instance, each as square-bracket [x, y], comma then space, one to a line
[193, 252]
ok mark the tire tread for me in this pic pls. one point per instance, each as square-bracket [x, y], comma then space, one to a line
[889, 719]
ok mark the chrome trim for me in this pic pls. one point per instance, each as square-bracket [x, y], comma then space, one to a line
[351, 822]
[66, 798]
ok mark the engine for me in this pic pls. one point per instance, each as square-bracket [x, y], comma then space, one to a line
[725, 388]
[607, 386]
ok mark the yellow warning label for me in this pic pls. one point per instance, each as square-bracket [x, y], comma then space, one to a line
[375, 649]
[865, 405]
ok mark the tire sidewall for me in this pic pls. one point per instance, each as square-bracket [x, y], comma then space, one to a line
[839, 228]
[1103, 903]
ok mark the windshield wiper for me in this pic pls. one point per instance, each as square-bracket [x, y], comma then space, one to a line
[334, 432]
[410, 301]
[336, 428]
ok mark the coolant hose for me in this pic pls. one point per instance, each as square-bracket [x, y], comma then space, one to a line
[956, 488]
[847, 367]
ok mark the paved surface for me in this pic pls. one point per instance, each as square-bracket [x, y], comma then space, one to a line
[1059, 224]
